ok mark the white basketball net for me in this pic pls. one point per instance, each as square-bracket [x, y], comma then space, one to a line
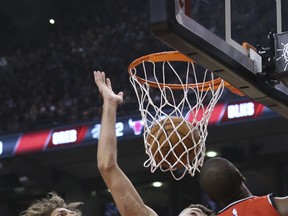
[160, 103]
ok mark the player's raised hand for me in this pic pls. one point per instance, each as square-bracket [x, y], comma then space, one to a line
[105, 88]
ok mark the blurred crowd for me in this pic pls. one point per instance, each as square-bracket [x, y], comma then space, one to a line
[49, 81]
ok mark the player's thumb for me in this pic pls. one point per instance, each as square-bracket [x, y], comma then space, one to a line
[121, 94]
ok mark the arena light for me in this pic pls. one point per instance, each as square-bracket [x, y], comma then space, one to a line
[51, 21]
[157, 184]
[211, 153]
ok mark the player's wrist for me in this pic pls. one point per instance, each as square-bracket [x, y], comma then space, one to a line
[110, 103]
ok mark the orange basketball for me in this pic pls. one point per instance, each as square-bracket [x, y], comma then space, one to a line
[172, 138]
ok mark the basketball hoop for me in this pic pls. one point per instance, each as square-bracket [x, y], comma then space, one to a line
[169, 85]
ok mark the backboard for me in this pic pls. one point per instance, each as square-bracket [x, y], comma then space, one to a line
[212, 32]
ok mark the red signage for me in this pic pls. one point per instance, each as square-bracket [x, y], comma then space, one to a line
[125, 128]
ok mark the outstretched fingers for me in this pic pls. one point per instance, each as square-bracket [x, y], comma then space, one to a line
[108, 83]
[99, 78]
[105, 88]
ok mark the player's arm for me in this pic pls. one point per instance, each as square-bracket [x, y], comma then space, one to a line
[281, 205]
[127, 199]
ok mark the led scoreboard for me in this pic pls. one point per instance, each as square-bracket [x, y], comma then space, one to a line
[127, 127]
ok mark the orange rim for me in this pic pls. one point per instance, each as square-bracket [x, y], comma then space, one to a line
[248, 46]
[176, 56]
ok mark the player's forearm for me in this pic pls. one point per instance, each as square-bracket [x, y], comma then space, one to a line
[107, 148]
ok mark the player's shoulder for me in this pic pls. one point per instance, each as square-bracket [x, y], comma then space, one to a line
[281, 204]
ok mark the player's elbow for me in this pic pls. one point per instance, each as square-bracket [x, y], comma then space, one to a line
[107, 165]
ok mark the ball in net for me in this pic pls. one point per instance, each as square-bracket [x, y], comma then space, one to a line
[173, 142]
